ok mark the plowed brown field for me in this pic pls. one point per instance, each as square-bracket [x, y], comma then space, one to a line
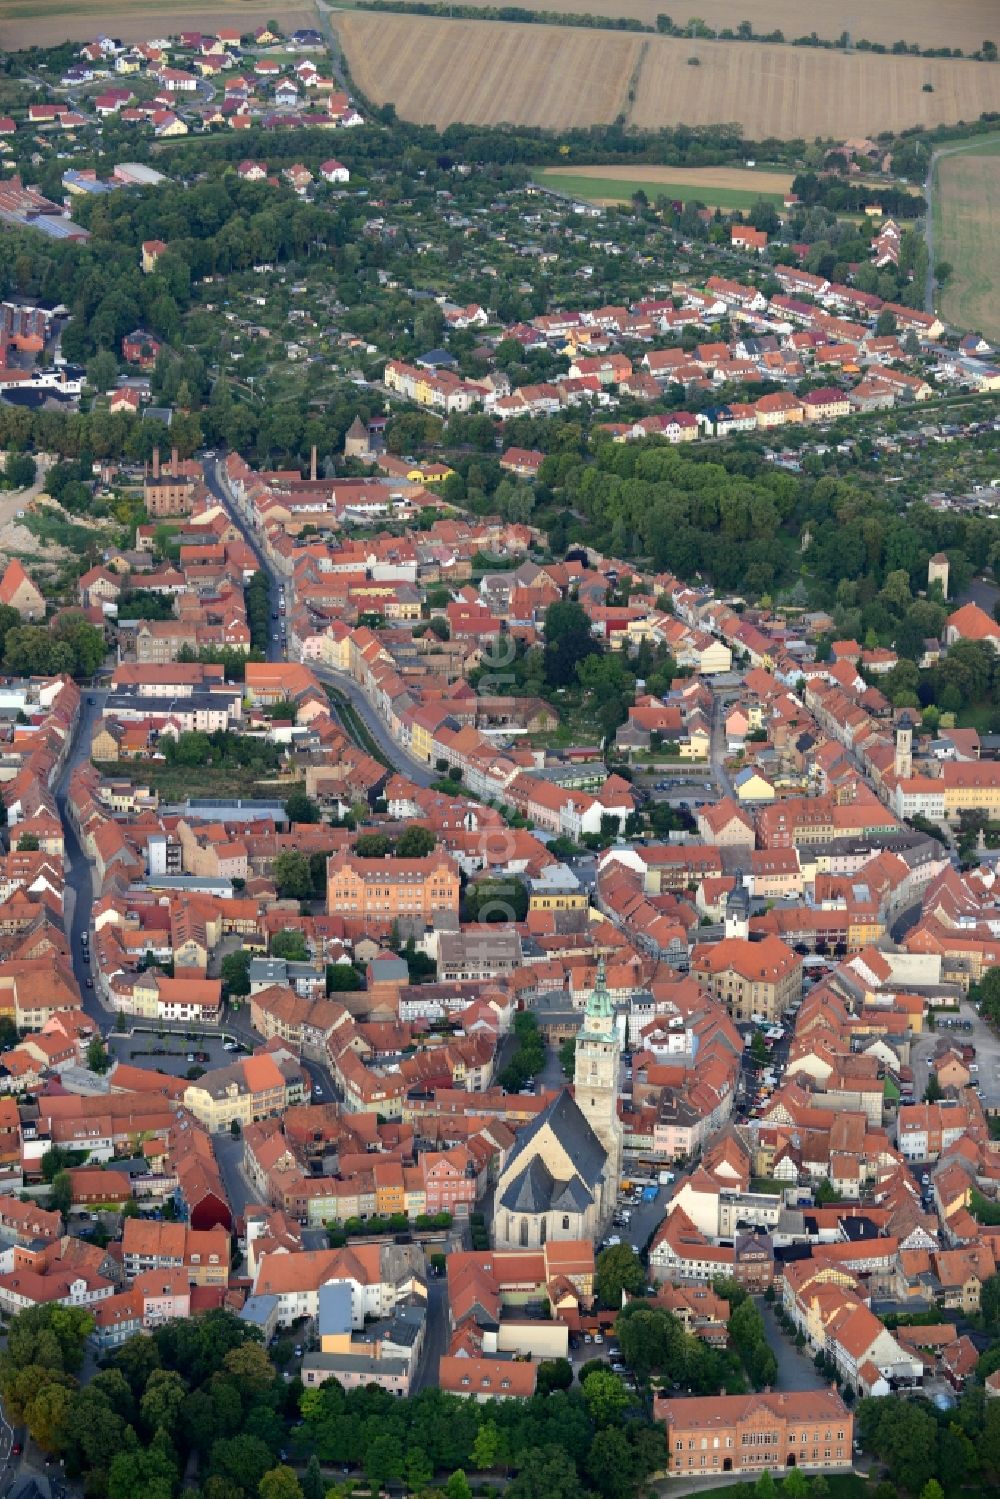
[489, 72]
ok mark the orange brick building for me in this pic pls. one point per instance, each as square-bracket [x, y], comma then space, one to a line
[376, 892]
[752, 1433]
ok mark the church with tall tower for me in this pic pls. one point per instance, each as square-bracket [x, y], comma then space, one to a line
[560, 1180]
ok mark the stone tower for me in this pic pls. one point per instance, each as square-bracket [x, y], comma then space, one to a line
[356, 441]
[903, 764]
[597, 1082]
[937, 572]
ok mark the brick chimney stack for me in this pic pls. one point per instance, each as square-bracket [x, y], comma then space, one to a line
[174, 462]
[156, 463]
[312, 463]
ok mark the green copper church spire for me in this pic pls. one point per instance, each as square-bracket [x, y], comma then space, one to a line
[599, 1005]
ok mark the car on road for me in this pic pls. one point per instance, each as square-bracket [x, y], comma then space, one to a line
[90, 982]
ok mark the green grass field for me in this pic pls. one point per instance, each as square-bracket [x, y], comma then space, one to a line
[966, 207]
[620, 190]
[840, 1486]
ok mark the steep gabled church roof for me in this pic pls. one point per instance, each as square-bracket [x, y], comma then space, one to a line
[536, 1190]
[567, 1123]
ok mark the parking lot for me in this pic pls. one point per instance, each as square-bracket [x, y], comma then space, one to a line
[677, 790]
[172, 1054]
[645, 1214]
[979, 1035]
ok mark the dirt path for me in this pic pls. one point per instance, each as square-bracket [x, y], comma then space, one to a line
[13, 536]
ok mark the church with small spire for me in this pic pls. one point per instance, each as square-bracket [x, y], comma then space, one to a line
[560, 1180]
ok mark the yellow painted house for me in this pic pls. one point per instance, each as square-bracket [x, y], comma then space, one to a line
[558, 900]
[696, 745]
[335, 650]
[429, 473]
[174, 128]
[421, 741]
[750, 786]
[713, 657]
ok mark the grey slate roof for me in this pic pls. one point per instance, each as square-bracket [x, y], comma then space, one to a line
[535, 1189]
[565, 1119]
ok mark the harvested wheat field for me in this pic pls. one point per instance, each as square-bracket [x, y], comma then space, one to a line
[802, 91]
[490, 72]
[487, 72]
[927, 23]
[966, 233]
[46, 23]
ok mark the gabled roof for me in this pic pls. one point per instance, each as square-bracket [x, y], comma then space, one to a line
[564, 1117]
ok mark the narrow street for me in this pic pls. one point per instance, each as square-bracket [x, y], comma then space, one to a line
[436, 1335]
[717, 745]
[796, 1371]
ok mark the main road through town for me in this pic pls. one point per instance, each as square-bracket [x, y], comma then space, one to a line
[397, 756]
[79, 887]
